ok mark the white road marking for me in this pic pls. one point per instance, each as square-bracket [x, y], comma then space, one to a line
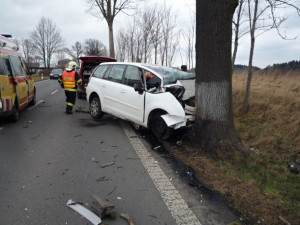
[36, 104]
[175, 203]
[54, 92]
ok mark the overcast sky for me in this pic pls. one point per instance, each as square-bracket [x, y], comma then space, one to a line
[20, 17]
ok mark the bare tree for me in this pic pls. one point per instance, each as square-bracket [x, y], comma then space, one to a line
[76, 51]
[147, 22]
[262, 17]
[94, 47]
[150, 35]
[28, 49]
[214, 116]
[122, 46]
[168, 26]
[60, 55]
[108, 10]
[47, 39]
[189, 39]
[239, 28]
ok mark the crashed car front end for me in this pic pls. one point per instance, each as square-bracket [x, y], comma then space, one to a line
[179, 107]
[187, 102]
[176, 95]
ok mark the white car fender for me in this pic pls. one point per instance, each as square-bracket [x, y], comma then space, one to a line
[175, 116]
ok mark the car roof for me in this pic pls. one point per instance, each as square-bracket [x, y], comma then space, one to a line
[97, 58]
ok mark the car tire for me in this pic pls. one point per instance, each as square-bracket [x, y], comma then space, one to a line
[16, 114]
[95, 108]
[159, 127]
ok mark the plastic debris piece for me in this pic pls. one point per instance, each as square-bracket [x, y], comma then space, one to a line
[157, 147]
[93, 218]
[107, 164]
[179, 143]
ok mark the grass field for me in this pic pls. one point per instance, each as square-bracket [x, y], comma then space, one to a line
[261, 187]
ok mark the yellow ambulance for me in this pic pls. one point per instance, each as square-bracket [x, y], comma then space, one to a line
[17, 89]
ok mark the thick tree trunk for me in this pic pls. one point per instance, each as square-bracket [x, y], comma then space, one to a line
[111, 39]
[214, 118]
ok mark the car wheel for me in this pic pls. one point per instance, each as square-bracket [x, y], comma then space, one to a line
[159, 127]
[95, 108]
[16, 114]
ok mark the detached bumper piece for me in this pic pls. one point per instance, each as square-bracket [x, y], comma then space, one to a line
[93, 218]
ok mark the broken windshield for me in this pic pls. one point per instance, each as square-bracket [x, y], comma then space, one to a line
[171, 75]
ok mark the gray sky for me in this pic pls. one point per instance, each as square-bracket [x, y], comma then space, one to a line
[20, 17]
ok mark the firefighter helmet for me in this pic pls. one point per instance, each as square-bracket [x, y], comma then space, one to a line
[72, 65]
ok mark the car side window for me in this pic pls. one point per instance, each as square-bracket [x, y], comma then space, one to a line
[2, 69]
[99, 72]
[25, 67]
[132, 75]
[116, 73]
[152, 80]
[17, 67]
[8, 66]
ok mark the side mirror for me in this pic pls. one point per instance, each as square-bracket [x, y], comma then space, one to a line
[138, 87]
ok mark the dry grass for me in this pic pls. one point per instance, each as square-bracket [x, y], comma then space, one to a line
[260, 187]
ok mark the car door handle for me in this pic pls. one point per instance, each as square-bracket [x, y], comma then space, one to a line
[123, 91]
[103, 85]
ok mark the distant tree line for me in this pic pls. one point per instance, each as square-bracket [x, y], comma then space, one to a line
[289, 66]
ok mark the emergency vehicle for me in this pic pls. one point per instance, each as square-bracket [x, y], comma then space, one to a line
[17, 89]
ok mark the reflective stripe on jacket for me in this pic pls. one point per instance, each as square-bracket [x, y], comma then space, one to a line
[69, 81]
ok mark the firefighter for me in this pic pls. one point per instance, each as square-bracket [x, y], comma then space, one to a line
[69, 81]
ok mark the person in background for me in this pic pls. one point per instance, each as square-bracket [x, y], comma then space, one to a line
[184, 68]
[69, 81]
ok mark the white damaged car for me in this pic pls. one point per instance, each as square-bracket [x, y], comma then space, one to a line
[155, 97]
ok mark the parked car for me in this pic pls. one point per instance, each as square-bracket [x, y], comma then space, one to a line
[87, 65]
[56, 73]
[17, 85]
[150, 96]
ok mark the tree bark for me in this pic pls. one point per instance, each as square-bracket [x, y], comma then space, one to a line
[214, 116]
[111, 39]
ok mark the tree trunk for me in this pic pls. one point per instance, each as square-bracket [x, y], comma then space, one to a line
[236, 33]
[249, 79]
[214, 117]
[245, 108]
[111, 39]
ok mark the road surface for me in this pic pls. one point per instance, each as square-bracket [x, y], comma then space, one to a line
[49, 157]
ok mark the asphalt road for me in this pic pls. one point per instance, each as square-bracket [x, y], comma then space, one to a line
[49, 157]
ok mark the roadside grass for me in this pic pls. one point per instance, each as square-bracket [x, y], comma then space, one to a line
[261, 187]
[37, 77]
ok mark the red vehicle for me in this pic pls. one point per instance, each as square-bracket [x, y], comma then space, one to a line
[88, 64]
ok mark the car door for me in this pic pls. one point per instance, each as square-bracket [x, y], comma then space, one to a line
[131, 102]
[29, 81]
[20, 81]
[111, 86]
